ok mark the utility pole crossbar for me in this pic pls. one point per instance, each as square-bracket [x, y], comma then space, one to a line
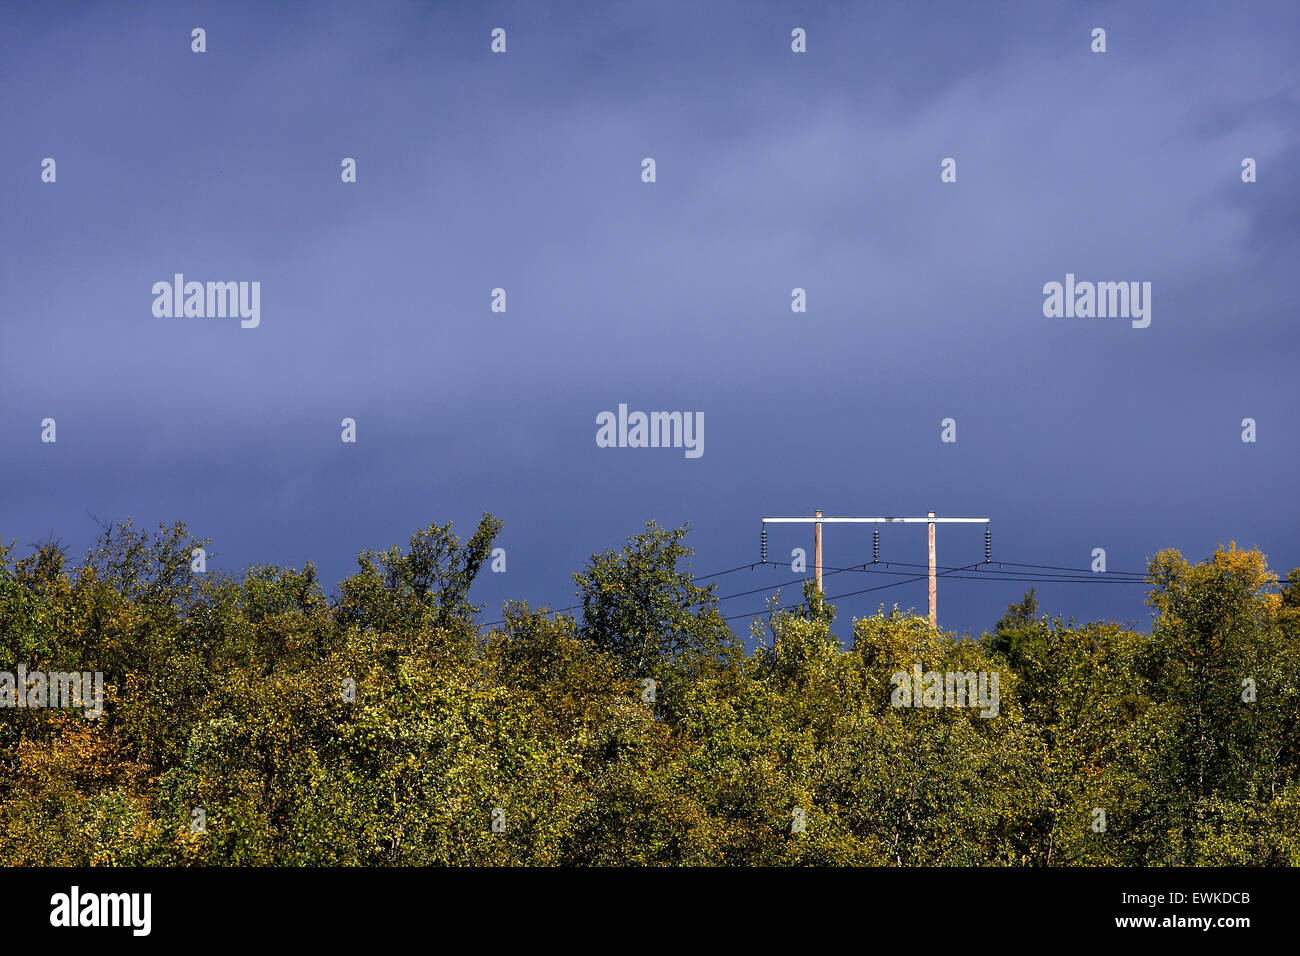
[930, 519]
[926, 520]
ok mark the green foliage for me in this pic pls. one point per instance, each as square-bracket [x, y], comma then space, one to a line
[427, 586]
[646, 611]
[380, 726]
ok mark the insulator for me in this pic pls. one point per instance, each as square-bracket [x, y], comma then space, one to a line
[988, 545]
[763, 543]
[875, 544]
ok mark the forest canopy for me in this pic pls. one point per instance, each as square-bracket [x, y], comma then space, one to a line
[253, 719]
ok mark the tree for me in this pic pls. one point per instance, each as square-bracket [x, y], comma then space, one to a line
[427, 586]
[1222, 677]
[644, 609]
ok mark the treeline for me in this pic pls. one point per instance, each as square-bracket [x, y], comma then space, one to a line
[254, 719]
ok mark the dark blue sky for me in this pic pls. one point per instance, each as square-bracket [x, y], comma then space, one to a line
[775, 170]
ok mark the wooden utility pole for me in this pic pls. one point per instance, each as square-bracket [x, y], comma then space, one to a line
[818, 520]
[817, 550]
[934, 589]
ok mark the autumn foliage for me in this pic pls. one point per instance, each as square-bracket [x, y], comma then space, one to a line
[381, 726]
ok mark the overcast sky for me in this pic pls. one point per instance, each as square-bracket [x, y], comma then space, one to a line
[775, 170]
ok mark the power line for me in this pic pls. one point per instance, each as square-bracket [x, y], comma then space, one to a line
[1056, 567]
[836, 597]
[1081, 574]
[698, 577]
[771, 587]
[1089, 577]
[718, 574]
[983, 576]
[1084, 576]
